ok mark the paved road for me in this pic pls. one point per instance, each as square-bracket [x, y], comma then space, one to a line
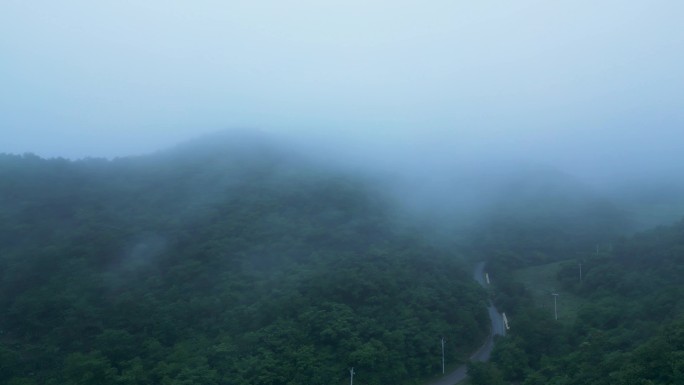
[482, 354]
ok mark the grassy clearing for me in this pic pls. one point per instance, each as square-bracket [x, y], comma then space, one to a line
[541, 282]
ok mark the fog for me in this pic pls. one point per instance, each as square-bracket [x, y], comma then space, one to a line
[592, 89]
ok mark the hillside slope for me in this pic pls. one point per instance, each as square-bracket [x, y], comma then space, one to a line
[218, 262]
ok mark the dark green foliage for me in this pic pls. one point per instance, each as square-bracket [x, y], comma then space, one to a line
[482, 373]
[217, 266]
[511, 358]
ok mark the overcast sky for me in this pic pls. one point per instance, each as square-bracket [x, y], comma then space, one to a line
[575, 83]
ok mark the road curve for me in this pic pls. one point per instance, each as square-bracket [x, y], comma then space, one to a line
[482, 354]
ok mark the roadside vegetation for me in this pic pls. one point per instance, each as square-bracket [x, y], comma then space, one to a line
[629, 322]
[543, 281]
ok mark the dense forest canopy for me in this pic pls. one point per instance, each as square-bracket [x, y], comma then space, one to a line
[218, 263]
[233, 260]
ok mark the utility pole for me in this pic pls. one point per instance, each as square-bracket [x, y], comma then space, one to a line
[555, 306]
[443, 340]
[351, 372]
[580, 265]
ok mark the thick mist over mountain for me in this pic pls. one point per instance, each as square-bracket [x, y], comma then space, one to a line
[592, 89]
[290, 192]
[455, 102]
[455, 193]
[453, 197]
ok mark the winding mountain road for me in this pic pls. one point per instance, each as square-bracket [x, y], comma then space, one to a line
[482, 354]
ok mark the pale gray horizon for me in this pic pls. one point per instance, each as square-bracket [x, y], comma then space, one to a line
[586, 86]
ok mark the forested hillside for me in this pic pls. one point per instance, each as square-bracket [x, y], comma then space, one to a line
[629, 330]
[218, 262]
[231, 260]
